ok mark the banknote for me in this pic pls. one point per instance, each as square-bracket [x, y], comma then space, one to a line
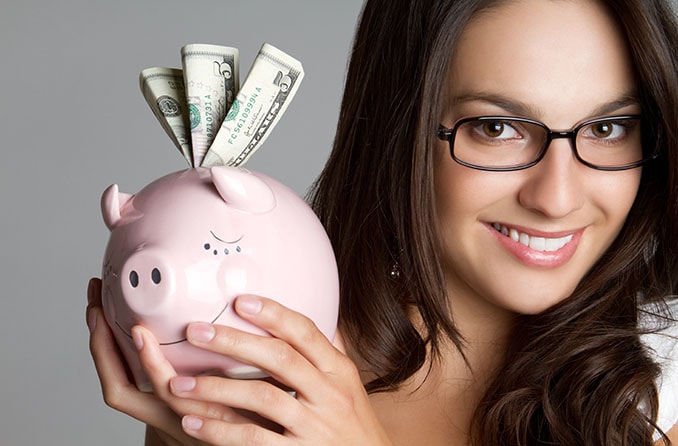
[163, 89]
[211, 76]
[268, 89]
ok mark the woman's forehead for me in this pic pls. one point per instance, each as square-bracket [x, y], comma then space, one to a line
[547, 54]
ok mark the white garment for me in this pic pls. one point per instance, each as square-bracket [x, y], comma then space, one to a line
[663, 347]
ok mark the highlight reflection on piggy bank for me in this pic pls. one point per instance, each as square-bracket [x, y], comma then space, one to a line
[187, 244]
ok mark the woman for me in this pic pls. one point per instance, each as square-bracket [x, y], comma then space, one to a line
[500, 280]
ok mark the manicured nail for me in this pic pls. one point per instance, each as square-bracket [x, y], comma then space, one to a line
[201, 332]
[92, 319]
[183, 384]
[191, 423]
[248, 304]
[138, 339]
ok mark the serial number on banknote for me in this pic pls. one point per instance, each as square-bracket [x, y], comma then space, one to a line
[251, 102]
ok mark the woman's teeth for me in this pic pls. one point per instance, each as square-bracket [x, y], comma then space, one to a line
[537, 243]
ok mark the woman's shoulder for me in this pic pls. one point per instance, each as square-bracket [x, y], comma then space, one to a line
[663, 346]
[662, 343]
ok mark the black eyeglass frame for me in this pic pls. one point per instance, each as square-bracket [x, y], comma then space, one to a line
[447, 134]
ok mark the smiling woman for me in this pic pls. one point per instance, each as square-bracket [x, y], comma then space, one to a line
[502, 199]
[551, 335]
[558, 196]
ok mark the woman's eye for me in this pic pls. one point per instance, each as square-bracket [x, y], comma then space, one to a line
[493, 129]
[607, 130]
[498, 129]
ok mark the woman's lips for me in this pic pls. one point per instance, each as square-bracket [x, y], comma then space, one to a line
[535, 248]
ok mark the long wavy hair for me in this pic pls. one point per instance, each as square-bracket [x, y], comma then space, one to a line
[576, 374]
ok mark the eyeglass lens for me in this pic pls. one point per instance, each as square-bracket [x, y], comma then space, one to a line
[504, 143]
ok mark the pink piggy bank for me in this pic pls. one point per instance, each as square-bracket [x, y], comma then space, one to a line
[187, 244]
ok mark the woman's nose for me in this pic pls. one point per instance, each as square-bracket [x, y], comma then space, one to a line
[554, 187]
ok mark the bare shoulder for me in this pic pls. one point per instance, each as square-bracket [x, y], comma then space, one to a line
[672, 434]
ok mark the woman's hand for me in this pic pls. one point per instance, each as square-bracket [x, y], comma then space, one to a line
[119, 392]
[331, 406]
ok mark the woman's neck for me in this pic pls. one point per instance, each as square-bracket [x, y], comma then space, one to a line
[436, 404]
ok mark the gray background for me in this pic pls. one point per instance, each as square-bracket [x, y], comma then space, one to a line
[72, 122]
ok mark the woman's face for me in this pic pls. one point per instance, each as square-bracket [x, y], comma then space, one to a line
[559, 62]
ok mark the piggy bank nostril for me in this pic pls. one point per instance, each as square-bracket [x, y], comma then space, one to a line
[155, 276]
[134, 279]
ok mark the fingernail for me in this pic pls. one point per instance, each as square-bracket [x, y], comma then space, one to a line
[183, 384]
[191, 423]
[92, 319]
[248, 304]
[138, 339]
[201, 332]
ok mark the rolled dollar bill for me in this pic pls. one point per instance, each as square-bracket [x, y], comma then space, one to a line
[266, 93]
[211, 75]
[163, 89]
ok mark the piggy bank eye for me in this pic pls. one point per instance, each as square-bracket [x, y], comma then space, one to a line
[134, 278]
[155, 276]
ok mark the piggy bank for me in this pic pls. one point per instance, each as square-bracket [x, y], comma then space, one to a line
[186, 245]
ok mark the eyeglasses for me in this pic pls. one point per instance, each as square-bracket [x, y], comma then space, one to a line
[506, 143]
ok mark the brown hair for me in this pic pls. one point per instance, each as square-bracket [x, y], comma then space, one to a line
[575, 374]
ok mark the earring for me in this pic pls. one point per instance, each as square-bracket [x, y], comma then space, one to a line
[395, 271]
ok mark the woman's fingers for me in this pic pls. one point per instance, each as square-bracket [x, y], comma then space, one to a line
[154, 363]
[161, 372]
[220, 423]
[219, 433]
[276, 357]
[159, 410]
[331, 406]
[297, 355]
[260, 397]
[295, 328]
[94, 293]
[117, 389]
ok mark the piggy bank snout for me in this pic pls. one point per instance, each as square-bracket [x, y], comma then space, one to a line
[147, 282]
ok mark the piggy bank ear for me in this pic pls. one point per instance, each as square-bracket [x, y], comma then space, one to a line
[112, 202]
[243, 190]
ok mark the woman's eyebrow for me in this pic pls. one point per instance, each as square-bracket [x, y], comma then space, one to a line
[520, 108]
[615, 105]
[510, 105]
